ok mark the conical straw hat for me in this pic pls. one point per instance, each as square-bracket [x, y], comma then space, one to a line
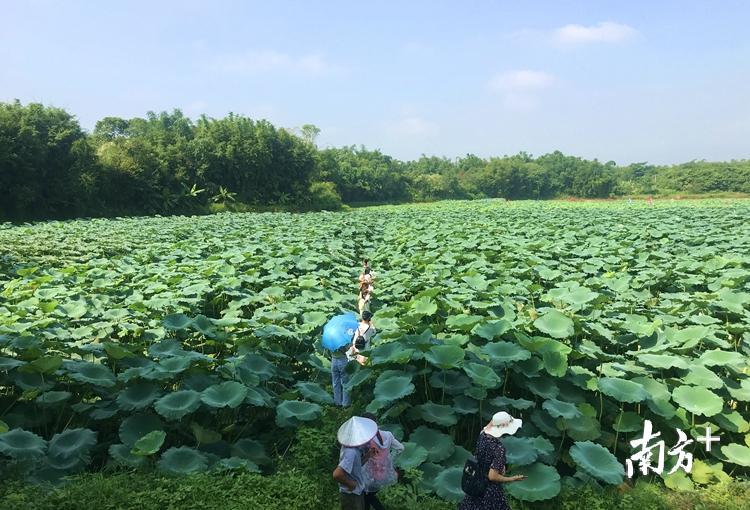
[357, 431]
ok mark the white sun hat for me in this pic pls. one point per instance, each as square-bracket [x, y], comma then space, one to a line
[502, 424]
[357, 431]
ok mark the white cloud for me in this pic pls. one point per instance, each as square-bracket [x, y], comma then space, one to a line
[521, 80]
[521, 89]
[604, 32]
[269, 61]
[414, 126]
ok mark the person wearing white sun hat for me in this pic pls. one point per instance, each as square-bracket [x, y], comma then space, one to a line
[355, 436]
[490, 454]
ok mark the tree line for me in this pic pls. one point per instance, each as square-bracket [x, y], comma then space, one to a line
[166, 163]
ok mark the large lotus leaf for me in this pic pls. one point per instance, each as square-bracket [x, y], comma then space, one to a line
[251, 450]
[723, 358]
[735, 453]
[178, 404]
[698, 375]
[545, 387]
[462, 322]
[559, 409]
[622, 390]
[74, 309]
[445, 356]
[520, 451]
[258, 365]
[177, 322]
[465, 405]
[135, 427]
[597, 461]
[698, 400]
[22, 445]
[627, 421]
[173, 366]
[448, 484]
[578, 296]
[429, 471]
[259, 397]
[360, 376]
[149, 444]
[393, 386]
[439, 446]
[678, 481]
[505, 352]
[43, 365]
[733, 422]
[314, 392]
[542, 482]
[458, 457]
[452, 381]
[424, 306]
[515, 403]
[545, 423]
[412, 456]
[50, 398]
[92, 373]
[662, 361]
[70, 448]
[227, 394]
[733, 301]
[166, 349]
[391, 352]
[583, 428]
[740, 391]
[482, 375]
[182, 461]
[655, 389]
[491, 329]
[204, 436]
[290, 413]
[120, 453]
[117, 351]
[437, 414]
[138, 396]
[555, 324]
[10, 363]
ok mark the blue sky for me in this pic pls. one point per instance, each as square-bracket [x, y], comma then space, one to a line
[658, 81]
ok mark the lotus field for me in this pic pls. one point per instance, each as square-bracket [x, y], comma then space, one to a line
[186, 344]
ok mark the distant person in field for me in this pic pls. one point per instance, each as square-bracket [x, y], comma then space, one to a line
[355, 437]
[378, 470]
[368, 275]
[363, 301]
[361, 339]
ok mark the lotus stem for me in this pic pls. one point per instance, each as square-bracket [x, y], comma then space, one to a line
[617, 431]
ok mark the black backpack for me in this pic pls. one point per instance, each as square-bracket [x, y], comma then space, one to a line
[474, 479]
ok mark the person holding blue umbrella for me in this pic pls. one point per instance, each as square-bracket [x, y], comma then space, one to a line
[337, 338]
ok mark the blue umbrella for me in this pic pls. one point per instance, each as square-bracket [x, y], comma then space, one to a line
[339, 330]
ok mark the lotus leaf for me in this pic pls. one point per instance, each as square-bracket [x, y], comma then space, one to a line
[448, 483]
[559, 409]
[482, 375]
[412, 456]
[393, 386]
[291, 412]
[491, 329]
[227, 394]
[505, 352]
[437, 414]
[92, 373]
[723, 358]
[53, 397]
[391, 352]
[439, 446]
[445, 356]
[424, 306]
[627, 421]
[121, 455]
[699, 375]
[597, 462]
[178, 404]
[465, 405]
[138, 396]
[236, 464]
[555, 324]
[663, 361]
[542, 482]
[515, 403]
[182, 461]
[149, 444]
[735, 453]
[22, 445]
[622, 390]
[543, 386]
[136, 426]
[698, 400]
[520, 451]
[251, 450]
[678, 481]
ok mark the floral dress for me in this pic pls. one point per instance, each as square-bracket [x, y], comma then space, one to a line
[489, 451]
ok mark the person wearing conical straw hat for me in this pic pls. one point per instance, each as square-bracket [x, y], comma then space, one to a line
[490, 454]
[355, 436]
